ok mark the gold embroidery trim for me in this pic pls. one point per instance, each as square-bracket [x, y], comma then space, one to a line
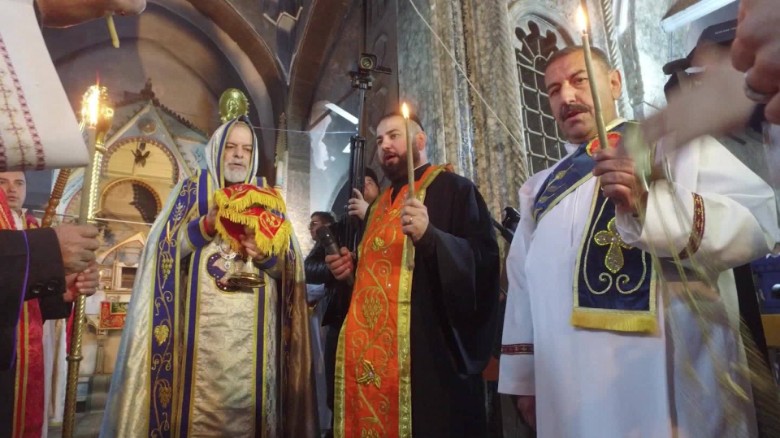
[697, 231]
[610, 319]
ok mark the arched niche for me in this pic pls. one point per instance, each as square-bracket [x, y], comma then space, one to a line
[139, 157]
[188, 52]
[130, 199]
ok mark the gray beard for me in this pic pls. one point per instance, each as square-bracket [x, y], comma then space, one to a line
[235, 176]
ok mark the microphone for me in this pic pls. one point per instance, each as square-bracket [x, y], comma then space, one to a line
[326, 239]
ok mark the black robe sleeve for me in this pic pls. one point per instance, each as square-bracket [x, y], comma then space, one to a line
[317, 271]
[460, 254]
[30, 267]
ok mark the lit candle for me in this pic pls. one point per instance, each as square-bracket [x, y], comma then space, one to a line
[409, 152]
[582, 21]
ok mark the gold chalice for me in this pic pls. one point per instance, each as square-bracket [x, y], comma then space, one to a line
[245, 277]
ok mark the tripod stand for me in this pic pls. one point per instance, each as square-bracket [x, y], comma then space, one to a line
[361, 81]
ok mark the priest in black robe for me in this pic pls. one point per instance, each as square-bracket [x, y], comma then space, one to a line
[417, 335]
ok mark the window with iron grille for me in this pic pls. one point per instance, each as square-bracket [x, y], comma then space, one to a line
[536, 40]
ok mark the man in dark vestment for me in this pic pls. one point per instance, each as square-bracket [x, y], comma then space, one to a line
[33, 288]
[424, 300]
[337, 294]
[319, 293]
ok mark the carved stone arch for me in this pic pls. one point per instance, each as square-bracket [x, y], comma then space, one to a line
[311, 57]
[549, 12]
[215, 47]
[536, 38]
[225, 15]
[256, 62]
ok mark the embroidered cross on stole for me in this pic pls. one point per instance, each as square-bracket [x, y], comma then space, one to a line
[373, 371]
[614, 284]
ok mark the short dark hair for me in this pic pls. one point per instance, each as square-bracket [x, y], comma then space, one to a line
[598, 54]
[371, 174]
[413, 117]
[325, 216]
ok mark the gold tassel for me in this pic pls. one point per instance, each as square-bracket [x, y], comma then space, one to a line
[265, 200]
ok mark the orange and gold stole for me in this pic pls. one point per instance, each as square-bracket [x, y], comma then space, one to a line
[373, 395]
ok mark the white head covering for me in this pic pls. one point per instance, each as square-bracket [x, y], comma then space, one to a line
[216, 147]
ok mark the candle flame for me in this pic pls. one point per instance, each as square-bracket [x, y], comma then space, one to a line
[582, 19]
[90, 106]
[405, 110]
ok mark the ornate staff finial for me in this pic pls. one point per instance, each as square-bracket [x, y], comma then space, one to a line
[233, 104]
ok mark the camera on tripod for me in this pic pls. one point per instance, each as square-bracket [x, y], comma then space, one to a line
[367, 63]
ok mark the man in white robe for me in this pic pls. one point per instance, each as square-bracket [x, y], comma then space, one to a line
[663, 361]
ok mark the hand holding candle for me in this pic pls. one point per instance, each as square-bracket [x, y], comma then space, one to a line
[409, 151]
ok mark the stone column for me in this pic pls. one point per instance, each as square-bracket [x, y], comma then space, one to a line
[501, 165]
[645, 48]
[428, 78]
[475, 129]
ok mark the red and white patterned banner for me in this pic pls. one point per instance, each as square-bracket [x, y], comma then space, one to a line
[38, 128]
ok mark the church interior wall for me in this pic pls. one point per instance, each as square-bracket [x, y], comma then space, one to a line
[191, 51]
[189, 59]
[187, 69]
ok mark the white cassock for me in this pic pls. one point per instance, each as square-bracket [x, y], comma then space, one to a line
[597, 383]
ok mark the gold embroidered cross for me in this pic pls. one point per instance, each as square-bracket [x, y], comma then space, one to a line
[614, 259]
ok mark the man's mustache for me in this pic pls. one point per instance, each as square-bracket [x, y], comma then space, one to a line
[569, 109]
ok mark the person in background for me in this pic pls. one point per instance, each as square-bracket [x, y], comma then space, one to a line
[318, 294]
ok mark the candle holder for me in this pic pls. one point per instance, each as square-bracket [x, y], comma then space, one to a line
[97, 116]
